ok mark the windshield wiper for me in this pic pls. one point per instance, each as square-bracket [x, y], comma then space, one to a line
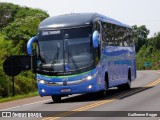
[73, 61]
[55, 58]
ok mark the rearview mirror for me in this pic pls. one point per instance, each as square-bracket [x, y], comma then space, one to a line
[29, 45]
[95, 39]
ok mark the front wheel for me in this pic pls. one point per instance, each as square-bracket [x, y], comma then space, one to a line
[56, 98]
[103, 93]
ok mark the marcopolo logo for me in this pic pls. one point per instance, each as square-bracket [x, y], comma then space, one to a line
[65, 81]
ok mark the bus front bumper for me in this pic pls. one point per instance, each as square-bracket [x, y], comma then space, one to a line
[85, 87]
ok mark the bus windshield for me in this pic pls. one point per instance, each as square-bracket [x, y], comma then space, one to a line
[66, 54]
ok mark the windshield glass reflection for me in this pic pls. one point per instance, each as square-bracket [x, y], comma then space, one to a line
[70, 50]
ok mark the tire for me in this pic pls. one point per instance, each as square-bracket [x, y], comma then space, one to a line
[56, 98]
[104, 92]
[127, 85]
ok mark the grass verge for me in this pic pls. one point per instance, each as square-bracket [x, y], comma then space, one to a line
[16, 97]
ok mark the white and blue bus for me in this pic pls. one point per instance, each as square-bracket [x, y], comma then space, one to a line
[83, 53]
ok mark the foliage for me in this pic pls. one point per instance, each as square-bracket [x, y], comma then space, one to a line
[157, 40]
[21, 30]
[24, 83]
[150, 52]
[23, 26]
[17, 26]
[7, 13]
[140, 36]
[5, 50]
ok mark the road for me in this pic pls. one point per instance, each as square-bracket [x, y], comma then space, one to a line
[143, 97]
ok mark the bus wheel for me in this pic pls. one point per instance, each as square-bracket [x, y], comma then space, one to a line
[56, 98]
[104, 92]
[127, 85]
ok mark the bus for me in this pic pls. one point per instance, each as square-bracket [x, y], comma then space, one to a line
[82, 53]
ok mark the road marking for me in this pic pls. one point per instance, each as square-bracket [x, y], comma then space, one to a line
[153, 83]
[101, 102]
[25, 105]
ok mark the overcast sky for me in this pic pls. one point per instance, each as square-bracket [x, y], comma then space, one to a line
[131, 12]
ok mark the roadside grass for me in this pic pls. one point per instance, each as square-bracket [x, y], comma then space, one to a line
[16, 97]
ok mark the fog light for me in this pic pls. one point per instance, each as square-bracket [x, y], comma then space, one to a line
[90, 86]
[43, 91]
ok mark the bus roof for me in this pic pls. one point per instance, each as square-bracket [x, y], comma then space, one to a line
[76, 19]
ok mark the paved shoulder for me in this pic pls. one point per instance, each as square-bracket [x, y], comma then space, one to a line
[22, 102]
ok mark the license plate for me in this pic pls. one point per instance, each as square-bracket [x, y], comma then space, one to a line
[65, 90]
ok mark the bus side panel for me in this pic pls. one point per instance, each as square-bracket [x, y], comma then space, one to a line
[116, 61]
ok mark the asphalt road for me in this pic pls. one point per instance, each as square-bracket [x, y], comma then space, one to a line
[140, 100]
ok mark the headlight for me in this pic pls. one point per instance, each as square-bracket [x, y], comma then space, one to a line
[90, 77]
[42, 81]
[45, 82]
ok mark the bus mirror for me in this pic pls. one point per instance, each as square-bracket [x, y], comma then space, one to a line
[29, 45]
[95, 39]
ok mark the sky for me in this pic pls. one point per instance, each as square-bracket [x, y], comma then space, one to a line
[131, 12]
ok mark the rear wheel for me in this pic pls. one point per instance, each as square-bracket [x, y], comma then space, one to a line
[127, 85]
[56, 98]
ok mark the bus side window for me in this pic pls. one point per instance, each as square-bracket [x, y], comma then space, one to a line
[108, 34]
[104, 35]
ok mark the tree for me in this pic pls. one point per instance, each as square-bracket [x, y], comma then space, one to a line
[7, 13]
[24, 26]
[18, 25]
[21, 30]
[157, 40]
[140, 36]
[6, 48]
